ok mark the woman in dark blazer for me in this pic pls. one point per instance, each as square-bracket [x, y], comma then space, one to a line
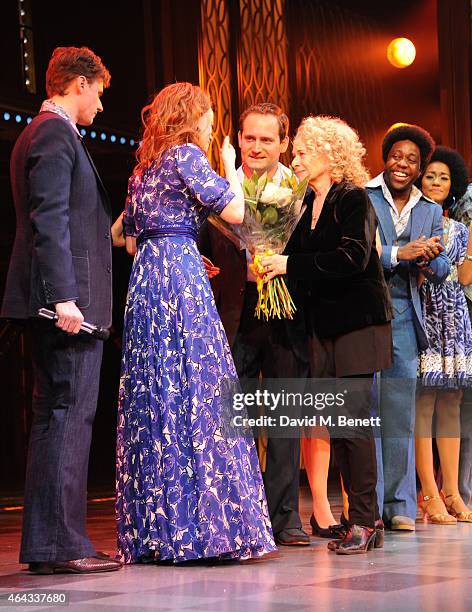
[332, 255]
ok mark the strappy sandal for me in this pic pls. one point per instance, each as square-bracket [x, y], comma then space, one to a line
[464, 516]
[440, 518]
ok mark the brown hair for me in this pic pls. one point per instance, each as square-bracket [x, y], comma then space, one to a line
[169, 120]
[267, 108]
[67, 63]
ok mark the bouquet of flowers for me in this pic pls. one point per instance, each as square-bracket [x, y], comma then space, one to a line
[271, 213]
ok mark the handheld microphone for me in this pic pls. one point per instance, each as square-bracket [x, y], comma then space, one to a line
[102, 333]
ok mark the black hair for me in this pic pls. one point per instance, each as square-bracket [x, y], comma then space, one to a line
[416, 134]
[458, 169]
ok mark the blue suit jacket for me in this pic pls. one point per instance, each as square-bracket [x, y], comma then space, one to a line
[426, 220]
[62, 248]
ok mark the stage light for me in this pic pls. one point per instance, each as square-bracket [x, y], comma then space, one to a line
[103, 136]
[131, 142]
[394, 126]
[18, 118]
[27, 82]
[401, 52]
[113, 138]
[83, 132]
[29, 120]
[93, 134]
[122, 140]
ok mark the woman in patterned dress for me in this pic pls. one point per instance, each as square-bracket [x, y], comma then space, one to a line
[186, 488]
[446, 366]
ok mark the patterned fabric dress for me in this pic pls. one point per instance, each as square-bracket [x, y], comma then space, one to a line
[447, 362]
[185, 488]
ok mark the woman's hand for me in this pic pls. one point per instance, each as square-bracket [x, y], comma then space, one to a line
[274, 265]
[117, 236]
[228, 154]
[210, 267]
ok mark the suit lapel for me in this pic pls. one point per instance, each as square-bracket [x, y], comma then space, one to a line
[418, 219]
[385, 222]
[99, 180]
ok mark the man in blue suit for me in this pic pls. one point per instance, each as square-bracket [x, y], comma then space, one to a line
[61, 260]
[410, 228]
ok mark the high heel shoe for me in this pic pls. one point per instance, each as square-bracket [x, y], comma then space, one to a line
[379, 537]
[334, 532]
[439, 518]
[358, 540]
[464, 516]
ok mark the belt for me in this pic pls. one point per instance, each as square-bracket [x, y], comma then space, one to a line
[165, 232]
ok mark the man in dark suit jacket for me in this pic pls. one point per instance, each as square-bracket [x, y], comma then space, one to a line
[274, 348]
[61, 260]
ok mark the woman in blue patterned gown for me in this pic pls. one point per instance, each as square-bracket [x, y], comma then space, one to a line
[186, 489]
[445, 367]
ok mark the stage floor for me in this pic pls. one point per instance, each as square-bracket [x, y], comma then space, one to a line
[428, 571]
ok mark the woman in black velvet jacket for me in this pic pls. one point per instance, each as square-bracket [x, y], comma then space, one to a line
[333, 257]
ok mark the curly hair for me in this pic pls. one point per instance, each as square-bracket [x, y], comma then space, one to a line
[341, 144]
[67, 63]
[458, 169]
[267, 108]
[422, 139]
[170, 119]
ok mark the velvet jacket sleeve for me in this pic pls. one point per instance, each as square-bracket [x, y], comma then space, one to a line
[50, 166]
[344, 257]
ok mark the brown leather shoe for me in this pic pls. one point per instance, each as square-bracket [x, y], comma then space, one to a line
[87, 565]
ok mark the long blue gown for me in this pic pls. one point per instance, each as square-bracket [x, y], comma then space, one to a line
[185, 488]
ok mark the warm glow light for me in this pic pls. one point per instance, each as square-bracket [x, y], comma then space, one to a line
[401, 52]
[394, 126]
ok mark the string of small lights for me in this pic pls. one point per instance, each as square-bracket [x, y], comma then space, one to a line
[27, 48]
[97, 134]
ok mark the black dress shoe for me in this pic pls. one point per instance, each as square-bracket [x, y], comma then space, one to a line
[358, 540]
[334, 532]
[292, 537]
[87, 565]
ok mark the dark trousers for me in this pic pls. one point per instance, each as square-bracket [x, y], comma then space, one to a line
[364, 350]
[354, 450]
[66, 379]
[261, 347]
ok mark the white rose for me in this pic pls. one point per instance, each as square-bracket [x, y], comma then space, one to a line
[275, 194]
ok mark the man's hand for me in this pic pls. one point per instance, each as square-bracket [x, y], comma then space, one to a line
[117, 236]
[210, 267]
[421, 249]
[69, 317]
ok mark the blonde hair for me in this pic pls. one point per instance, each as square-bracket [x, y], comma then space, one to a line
[170, 119]
[335, 138]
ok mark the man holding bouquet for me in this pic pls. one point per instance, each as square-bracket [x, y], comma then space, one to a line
[273, 348]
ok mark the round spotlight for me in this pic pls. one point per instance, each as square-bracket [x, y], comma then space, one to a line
[103, 136]
[6, 116]
[93, 134]
[122, 140]
[401, 52]
[131, 142]
[28, 120]
[113, 138]
[18, 118]
[83, 132]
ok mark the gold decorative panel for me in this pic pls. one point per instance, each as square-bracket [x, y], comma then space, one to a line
[262, 58]
[214, 70]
